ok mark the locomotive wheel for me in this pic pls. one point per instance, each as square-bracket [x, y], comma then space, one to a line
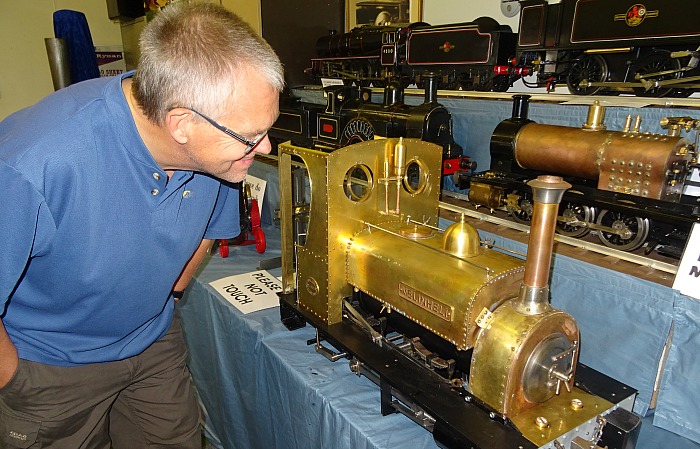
[501, 83]
[658, 61]
[482, 85]
[466, 82]
[523, 212]
[572, 211]
[590, 68]
[681, 93]
[452, 84]
[634, 230]
[405, 82]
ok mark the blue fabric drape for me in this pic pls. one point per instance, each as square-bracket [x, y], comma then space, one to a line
[72, 27]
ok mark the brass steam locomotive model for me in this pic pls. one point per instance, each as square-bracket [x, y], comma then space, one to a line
[459, 335]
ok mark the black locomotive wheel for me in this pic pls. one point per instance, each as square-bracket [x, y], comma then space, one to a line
[681, 93]
[658, 61]
[571, 219]
[629, 233]
[501, 83]
[592, 68]
[466, 82]
[451, 84]
[522, 211]
[483, 85]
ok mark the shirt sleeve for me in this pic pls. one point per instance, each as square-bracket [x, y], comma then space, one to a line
[26, 226]
[225, 222]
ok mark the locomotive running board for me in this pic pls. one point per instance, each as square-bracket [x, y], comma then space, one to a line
[453, 417]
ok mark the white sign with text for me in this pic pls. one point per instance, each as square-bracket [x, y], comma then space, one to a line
[250, 292]
[687, 279]
[257, 190]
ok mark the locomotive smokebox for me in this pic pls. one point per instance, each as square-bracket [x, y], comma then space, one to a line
[503, 137]
[525, 342]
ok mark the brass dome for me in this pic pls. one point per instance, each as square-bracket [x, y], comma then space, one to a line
[462, 239]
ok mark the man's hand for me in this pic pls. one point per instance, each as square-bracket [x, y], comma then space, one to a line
[8, 357]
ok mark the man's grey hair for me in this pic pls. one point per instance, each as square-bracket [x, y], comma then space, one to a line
[193, 54]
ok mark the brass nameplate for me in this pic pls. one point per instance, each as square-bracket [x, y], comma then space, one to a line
[425, 302]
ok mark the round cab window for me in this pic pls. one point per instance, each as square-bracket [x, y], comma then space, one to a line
[416, 177]
[358, 183]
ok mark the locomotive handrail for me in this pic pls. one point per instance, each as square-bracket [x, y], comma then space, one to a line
[551, 97]
[488, 270]
[618, 101]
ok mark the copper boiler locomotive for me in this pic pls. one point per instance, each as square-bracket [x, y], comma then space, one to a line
[630, 187]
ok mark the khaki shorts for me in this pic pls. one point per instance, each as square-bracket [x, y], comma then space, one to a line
[145, 401]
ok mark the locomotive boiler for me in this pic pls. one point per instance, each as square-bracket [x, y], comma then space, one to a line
[629, 186]
[458, 335]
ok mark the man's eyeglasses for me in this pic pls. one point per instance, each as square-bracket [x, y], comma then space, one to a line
[250, 145]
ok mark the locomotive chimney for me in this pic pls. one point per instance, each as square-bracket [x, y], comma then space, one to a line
[430, 87]
[520, 106]
[393, 94]
[547, 192]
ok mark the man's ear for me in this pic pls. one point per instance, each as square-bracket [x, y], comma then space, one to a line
[178, 122]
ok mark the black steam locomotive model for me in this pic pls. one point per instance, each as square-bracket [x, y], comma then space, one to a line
[592, 46]
[629, 187]
[472, 56]
[649, 48]
[350, 116]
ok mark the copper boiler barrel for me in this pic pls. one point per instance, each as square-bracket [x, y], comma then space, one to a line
[633, 163]
[559, 149]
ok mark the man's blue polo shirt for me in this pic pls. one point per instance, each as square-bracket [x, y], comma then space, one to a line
[93, 233]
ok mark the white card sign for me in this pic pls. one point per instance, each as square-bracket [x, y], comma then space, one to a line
[687, 279]
[325, 82]
[257, 190]
[249, 292]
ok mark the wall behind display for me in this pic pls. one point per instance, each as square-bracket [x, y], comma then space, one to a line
[25, 77]
[437, 12]
[292, 29]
